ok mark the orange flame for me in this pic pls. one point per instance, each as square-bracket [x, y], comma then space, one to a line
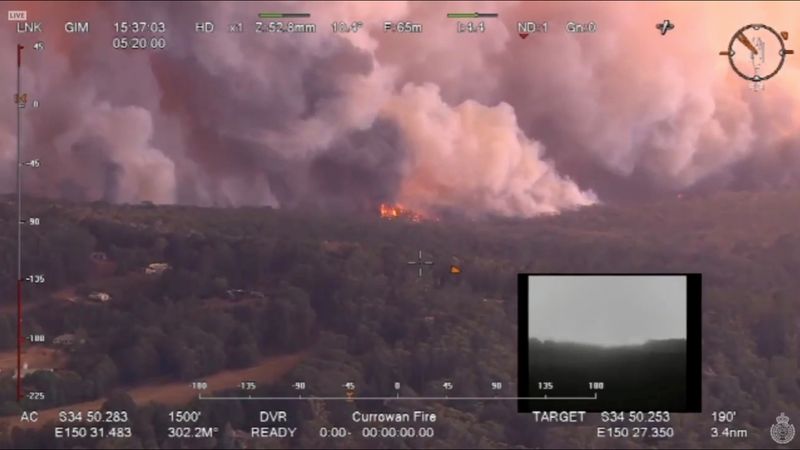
[398, 211]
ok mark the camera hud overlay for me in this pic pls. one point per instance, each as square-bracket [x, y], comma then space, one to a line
[399, 224]
[611, 342]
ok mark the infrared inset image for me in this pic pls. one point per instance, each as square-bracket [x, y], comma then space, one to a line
[607, 342]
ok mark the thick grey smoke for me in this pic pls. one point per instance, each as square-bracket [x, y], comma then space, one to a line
[483, 123]
[623, 111]
[474, 155]
[230, 119]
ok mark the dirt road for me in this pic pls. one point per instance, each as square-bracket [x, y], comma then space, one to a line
[268, 371]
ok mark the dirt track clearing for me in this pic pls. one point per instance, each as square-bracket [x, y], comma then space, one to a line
[268, 371]
[37, 357]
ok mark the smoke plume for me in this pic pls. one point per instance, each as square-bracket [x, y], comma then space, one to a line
[479, 123]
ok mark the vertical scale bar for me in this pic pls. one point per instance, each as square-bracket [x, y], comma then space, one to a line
[19, 228]
[19, 340]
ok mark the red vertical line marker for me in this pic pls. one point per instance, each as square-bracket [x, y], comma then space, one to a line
[19, 229]
[19, 340]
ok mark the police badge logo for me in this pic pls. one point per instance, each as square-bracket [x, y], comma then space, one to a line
[782, 432]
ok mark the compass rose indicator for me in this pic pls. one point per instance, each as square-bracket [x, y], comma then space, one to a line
[757, 52]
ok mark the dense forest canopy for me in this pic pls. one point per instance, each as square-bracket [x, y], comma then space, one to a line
[248, 284]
